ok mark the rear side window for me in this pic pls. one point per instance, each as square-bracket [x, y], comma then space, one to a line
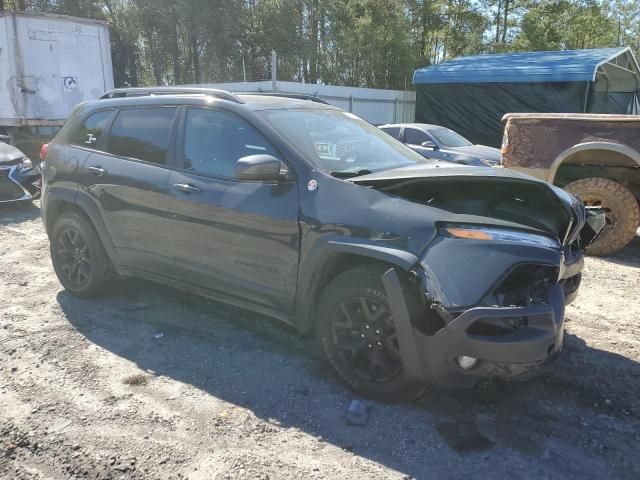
[415, 137]
[393, 131]
[91, 128]
[142, 133]
[215, 140]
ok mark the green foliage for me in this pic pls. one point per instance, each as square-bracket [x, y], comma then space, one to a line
[564, 24]
[367, 43]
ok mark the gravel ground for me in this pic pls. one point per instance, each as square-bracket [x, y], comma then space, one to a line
[153, 383]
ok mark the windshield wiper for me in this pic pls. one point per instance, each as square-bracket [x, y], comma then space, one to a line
[357, 173]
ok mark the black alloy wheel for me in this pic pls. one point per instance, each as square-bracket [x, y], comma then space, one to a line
[357, 334]
[79, 258]
[366, 339]
[74, 257]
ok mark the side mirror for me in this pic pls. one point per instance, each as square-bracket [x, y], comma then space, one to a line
[261, 167]
[430, 144]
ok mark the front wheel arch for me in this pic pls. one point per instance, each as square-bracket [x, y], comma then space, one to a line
[329, 258]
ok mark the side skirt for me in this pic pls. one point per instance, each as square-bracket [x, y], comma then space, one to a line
[204, 292]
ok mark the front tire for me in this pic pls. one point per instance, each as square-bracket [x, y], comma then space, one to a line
[79, 258]
[621, 207]
[357, 335]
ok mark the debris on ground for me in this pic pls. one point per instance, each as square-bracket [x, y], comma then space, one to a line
[357, 413]
[137, 379]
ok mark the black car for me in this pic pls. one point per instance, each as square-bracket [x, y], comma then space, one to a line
[19, 177]
[441, 143]
[410, 272]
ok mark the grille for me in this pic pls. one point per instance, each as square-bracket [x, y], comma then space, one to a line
[9, 189]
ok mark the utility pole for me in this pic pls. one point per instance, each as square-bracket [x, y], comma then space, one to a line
[274, 71]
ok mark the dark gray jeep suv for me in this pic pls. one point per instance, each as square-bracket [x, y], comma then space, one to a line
[410, 271]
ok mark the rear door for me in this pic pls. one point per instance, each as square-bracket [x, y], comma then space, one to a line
[239, 238]
[128, 179]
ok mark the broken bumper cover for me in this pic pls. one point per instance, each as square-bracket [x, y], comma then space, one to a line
[509, 355]
[509, 342]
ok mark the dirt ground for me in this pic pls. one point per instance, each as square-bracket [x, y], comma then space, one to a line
[153, 383]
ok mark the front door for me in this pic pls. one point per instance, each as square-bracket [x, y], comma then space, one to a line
[240, 238]
[414, 138]
[129, 181]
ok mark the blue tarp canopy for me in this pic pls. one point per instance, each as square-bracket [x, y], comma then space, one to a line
[471, 94]
[558, 66]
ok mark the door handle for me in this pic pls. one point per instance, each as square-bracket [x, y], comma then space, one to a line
[186, 188]
[97, 170]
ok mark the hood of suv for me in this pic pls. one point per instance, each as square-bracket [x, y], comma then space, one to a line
[496, 193]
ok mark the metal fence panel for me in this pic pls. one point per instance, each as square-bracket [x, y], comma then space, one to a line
[374, 105]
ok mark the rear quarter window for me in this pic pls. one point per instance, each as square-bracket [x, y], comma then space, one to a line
[393, 131]
[90, 129]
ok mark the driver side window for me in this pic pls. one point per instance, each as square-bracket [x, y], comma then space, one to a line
[214, 141]
[413, 136]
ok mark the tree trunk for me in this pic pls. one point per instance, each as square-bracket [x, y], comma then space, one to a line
[423, 35]
[498, 15]
[313, 19]
[175, 50]
[505, 21]
[195, 57]
[155, 64]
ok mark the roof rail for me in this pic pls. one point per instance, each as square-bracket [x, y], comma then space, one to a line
[152, 91]
[297, 96]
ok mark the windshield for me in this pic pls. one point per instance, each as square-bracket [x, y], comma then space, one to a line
[449, 138]
[339, 142]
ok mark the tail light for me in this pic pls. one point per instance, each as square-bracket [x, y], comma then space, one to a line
[43, 151]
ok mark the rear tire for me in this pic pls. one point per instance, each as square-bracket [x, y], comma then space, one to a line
[356, 333]
[79, 258]
[623, 212]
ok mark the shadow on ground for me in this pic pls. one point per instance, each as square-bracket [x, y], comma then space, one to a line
[629, 255]
[255, 362]
[16, 213]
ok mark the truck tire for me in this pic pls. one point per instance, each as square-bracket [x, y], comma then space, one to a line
[622, 212]
[79, 258]
[356, 333]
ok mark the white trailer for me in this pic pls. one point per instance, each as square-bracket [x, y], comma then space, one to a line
[48, 64]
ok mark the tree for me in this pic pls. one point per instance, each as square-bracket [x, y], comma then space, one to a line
[369, 43]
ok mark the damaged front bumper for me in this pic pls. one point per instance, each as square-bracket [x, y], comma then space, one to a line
[507, 331]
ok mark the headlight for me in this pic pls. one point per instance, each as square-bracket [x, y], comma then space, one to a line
[472, 232]
[490, 163]
[26, 163]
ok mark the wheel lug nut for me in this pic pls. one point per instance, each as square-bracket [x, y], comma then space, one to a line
[369, 345]
[377, 332]
[379, 344]
[367, 327]
[362, 335]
